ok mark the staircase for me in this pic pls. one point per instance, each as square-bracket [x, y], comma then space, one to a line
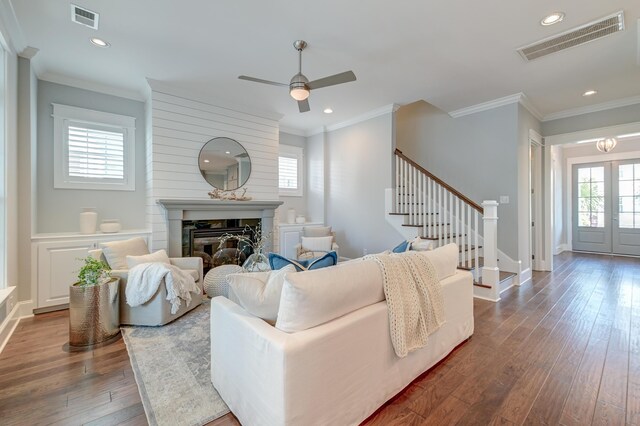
[424, 206]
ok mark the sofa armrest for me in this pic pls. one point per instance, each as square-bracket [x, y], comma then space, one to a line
[189, 263]
[248, 354]
[123, 274]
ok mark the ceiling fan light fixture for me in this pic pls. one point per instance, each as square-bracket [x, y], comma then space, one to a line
[606, 145]
[299, 93]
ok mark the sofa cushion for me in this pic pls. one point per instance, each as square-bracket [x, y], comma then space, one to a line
[116, 251]
[419, 244]
[259, 292]
[158, 256]
[312, 298]
[278, 262]
[444, 259]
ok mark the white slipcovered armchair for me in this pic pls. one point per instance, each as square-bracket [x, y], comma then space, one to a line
[315, 242]
[156, 311]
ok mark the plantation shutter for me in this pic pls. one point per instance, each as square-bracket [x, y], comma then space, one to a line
[95, 152]
[287, 172]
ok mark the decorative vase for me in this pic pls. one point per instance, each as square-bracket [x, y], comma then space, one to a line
[94, 313]
[291, 216]
[300, 219]
[110, 226]
[256, 262]
[88, 220]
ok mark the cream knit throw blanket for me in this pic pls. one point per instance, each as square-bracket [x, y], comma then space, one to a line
[414, 299]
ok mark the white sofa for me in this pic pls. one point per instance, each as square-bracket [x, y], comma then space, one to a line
[335, 373]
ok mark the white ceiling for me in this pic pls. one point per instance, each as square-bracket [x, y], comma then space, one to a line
[452, 54]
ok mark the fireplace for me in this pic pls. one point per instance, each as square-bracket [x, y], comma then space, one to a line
[179, 211]
[201, 238]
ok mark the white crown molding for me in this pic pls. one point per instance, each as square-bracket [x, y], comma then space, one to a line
[593, 108]
[10, 30]
[162, 87]
[92, 86]
[387, 109]
[29, 52]
[292, 131]
[583, 135]
[316, 131]
[496, 103]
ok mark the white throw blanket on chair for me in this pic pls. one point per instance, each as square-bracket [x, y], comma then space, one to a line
[414, 299]
[144, 281]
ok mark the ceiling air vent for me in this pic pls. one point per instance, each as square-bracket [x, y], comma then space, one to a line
[85, 17]
[574, 37]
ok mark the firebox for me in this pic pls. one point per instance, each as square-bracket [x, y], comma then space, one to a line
[201, 238]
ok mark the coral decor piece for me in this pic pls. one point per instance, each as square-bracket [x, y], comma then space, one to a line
[221, 194]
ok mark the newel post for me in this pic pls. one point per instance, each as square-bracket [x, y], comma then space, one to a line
[490, 271]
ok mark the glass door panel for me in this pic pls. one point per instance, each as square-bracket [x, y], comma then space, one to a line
[626, 196]
[591, 207]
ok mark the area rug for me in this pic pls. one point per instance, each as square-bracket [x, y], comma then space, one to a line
[173, 372]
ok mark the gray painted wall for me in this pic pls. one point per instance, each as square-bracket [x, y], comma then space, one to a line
[357, 171]
[58, 209]
[291, 202]
[315, 161]
[476, 154]
[594, 120]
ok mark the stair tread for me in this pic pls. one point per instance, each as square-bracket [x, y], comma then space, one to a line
[504, 275]
[422, 225]
[407, 214]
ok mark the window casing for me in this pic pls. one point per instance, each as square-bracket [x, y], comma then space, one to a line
[290, 171]
[93, 149]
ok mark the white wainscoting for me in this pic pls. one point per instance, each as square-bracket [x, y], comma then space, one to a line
[181, 126]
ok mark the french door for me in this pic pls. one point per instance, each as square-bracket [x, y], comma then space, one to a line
[606, 207]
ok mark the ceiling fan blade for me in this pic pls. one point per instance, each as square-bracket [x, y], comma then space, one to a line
[343, 77]
[259, 80]
[303, 106]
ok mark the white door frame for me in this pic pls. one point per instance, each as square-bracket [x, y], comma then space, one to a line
[535, 211]
[572, 137]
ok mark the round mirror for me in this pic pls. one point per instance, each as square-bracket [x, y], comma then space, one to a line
[224, 163]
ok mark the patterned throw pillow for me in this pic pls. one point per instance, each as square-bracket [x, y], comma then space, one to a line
[277, 262]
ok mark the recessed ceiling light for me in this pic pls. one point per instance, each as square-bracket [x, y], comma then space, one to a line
[590, 93]
[227, 152]
[99, 42]
[328, 110]
[206, 161]
[553, 18]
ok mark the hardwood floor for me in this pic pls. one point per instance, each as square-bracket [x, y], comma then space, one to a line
[562, 349]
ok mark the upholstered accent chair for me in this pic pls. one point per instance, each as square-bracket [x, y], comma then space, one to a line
[315, 242]
[156, 311]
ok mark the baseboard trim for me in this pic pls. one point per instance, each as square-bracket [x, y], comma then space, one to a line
[561, 248]
[525, 276]
[486, 298]
[12, 320]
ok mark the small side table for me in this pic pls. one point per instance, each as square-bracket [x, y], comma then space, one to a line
[94, 314]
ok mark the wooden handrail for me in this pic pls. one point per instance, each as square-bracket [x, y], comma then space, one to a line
[440, 182]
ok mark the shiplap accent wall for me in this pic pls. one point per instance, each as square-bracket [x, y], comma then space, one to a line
[181, 125]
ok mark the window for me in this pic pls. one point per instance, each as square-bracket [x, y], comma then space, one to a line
[591, 197]
[93, 149]
[290, 171]
[629, 195]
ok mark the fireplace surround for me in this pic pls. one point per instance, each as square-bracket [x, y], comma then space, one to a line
[179, 210]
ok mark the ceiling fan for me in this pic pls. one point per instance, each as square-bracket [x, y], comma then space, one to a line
[300, 86]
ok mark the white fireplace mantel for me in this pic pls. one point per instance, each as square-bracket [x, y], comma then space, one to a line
[199, 209]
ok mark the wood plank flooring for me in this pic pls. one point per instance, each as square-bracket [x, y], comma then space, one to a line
[562, 349]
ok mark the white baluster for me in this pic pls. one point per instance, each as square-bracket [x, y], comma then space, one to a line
[398, 210]
[457, 223]
[425, 216]
[476, 252]
[469, 235]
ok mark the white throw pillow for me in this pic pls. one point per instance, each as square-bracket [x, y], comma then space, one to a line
[159, 256]
[315, 297]
[316, 243]
[418, 244]
[316, 231]
[116, 252]
[444, 259]
[259, 292]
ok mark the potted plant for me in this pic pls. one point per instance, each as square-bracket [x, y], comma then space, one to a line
[94, 307]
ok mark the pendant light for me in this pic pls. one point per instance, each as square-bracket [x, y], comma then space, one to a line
[606, 145]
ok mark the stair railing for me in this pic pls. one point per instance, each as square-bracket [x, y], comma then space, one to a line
[446, 216]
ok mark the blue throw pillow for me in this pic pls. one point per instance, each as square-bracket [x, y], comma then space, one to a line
[278, 262]
[402, 247]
